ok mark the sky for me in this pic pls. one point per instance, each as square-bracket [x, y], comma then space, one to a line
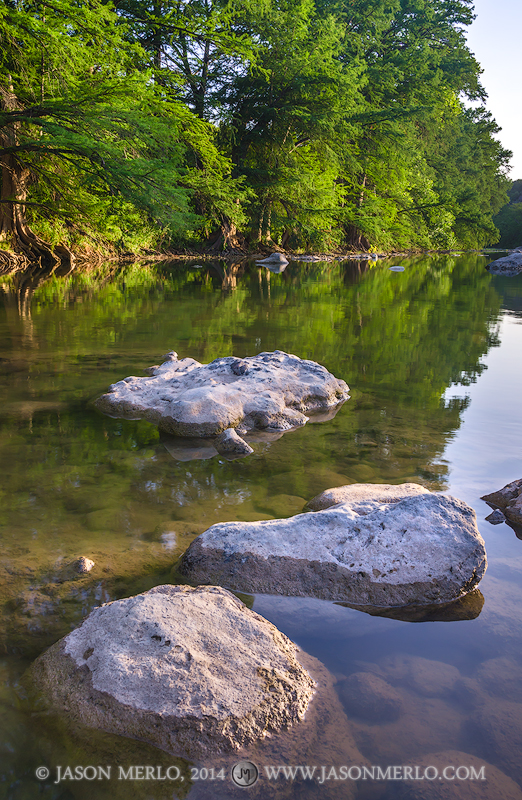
[494, 38]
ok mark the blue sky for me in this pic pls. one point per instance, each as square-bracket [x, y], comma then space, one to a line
[495, 39]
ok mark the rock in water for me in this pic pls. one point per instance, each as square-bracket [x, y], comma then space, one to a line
[274, 258]
[272, 391]
[509, 499]
[508, 266]
[190, 670]
[362, 497]
[423, 549]
[84, 565]
[230, 444]
[496, 517]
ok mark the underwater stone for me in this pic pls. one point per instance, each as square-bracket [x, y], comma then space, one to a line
[369, 697]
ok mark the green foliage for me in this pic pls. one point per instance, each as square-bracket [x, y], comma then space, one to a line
[109, 154]
[509, 218]
[311, 125]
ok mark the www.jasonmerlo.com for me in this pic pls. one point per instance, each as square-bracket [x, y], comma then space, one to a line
[320, 774]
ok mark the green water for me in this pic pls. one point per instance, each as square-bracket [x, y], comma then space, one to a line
[412, 346]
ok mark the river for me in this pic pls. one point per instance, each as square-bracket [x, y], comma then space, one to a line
[432, 357]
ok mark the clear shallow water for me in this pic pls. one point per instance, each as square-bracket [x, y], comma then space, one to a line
[432, 357]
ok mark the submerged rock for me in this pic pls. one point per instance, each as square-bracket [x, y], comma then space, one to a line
[422, 675]
[451, 775]
[508, 266]
[190, 670]
[423, 549]
[509, 499]
[273, 391]
[369, 697]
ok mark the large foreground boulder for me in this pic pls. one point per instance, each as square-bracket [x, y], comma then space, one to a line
[272, 391]
[423, 549]
[190, 670]
[508, 266]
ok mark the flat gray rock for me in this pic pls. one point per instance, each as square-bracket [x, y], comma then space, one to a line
[270, 391]
[362, 497]
[190, 670]
[507, 265]
[423, 549]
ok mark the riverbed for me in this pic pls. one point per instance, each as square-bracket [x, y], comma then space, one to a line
[432, 358]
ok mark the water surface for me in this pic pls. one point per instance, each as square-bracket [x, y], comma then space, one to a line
[432, 358]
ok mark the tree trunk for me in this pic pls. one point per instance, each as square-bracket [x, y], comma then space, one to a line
[228, 238]
[354, 238]
[14, 228]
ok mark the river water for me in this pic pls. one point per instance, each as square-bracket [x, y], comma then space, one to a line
[432, 357]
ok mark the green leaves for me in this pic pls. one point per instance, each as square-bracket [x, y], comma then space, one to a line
[309, 124]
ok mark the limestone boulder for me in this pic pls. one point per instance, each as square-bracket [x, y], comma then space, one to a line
[270, 391]
[423, 549]
[362, 497]
[189, 670]
[509, 499]
[508, 266]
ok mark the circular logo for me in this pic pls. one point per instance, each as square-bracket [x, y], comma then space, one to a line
[245, 773]
[42, 773]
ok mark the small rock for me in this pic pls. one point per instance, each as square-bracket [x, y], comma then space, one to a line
[190, 670]
[369, 697]
[509, 498]
[496, 517]
[504, 496]
[274, 258]
[508, 266]
[84, 565]
[229, 443]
